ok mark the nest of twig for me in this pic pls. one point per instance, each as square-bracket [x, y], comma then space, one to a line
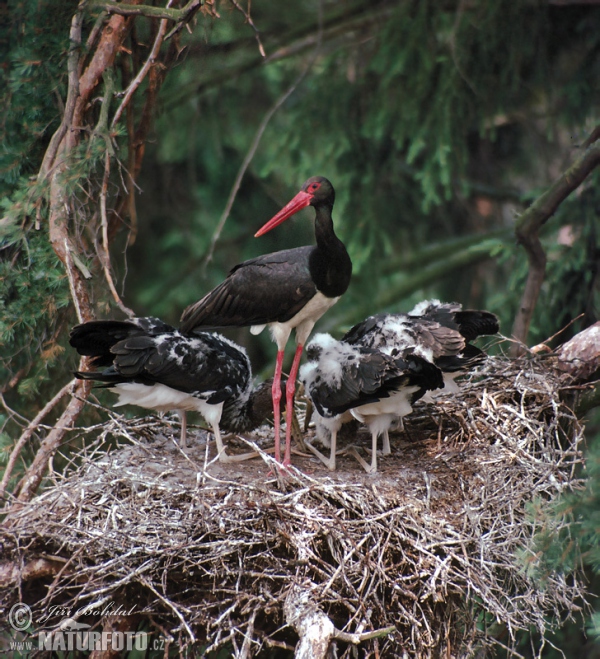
[430, 557]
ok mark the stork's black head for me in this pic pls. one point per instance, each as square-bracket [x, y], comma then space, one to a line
[317, 191]
[320, 190]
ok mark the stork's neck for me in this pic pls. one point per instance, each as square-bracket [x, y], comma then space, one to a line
[324, 232]
[329, 263]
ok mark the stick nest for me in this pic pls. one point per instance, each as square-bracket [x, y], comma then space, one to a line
[437, 545]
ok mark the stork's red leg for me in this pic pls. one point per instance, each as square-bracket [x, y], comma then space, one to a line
[276, 395]
[290, 389]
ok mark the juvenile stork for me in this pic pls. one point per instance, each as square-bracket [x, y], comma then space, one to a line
[437, 331]
[153, 365]
[345, 381]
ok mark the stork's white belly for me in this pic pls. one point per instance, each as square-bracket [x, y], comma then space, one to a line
[302, 322]
[161, 398]
[397, 404]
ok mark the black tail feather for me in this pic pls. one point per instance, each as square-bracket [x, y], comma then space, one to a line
[477, 323]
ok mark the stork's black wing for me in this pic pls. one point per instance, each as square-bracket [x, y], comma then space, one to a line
[466, 359]
[371, 378]
[477, 323]
[401, 331]
[203, 364]
[269, 288]
[97, 337]
[362, 381]
[470, 322]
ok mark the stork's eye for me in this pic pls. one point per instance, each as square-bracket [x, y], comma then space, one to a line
[315, 186]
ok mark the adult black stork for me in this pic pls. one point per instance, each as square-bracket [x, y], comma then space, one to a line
[151, 364]
[285, 290]
[345, 381]
[437, 331]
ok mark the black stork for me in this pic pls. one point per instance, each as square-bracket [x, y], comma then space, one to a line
[285, 290]
[345, 381]
[151, 364]
[437, 331]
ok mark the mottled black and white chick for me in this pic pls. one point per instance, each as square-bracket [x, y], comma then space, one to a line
[153, 365]
[345, 381]
[440, 332]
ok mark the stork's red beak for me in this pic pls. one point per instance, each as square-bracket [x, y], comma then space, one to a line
[300, 201]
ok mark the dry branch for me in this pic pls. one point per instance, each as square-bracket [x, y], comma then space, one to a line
[246, 163]
[527, 231]
[39, 568]
[136, 9]
[55, 166]
[27, 434]
[314, 628]
[28, 485]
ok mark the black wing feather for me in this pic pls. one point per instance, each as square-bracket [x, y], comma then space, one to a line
[477, 323]
[417, 331]
[270, 288]
[97, 337]
[470, 323]
[445, 329]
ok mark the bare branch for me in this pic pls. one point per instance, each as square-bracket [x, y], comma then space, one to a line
[28, 485]
[244, 166]
[429, 547]
[39, 568]
[527, 232]
[176, 15]
[355, 639]
[314, 628]
[256, 141]
[105, 253]
[27, 433]
[72, 93]
[137, 81]
[250, 22]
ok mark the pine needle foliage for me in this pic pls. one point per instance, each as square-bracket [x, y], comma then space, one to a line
[569, 536]
[32, 84]
[34, 291]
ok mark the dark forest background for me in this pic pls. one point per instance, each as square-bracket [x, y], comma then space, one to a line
[438, 123]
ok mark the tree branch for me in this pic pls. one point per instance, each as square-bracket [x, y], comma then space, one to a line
[314, 628]
[72, 93]
[443, 249]
[30, 482]
[175, 15]
[11, 573]
[340, 29]
[355, 639]
[137, 81]
[27, 433]
[589, 400]
[527, 232]
[125, 205]
[245, 164]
